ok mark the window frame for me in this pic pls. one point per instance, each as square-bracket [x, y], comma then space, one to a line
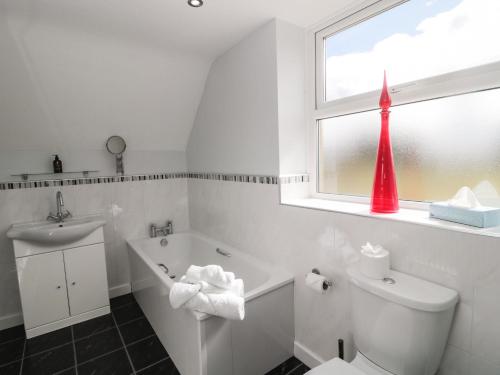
[481, 78]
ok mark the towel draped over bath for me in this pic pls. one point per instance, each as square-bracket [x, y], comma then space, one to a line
[210, 290]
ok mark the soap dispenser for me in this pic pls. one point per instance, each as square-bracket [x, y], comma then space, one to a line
[57, 163]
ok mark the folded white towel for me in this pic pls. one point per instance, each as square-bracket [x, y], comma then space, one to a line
[183, 292]
[225, 305]
[212, 274]
[196, 291]
[237, 287]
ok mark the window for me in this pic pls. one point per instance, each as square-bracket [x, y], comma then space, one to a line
[443, 66]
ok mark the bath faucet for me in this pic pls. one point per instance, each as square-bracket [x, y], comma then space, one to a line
[61, 212]
[155, 231]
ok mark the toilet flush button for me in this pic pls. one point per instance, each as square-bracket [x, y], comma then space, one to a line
[389, 280]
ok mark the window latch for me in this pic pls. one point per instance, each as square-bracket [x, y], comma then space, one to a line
[400, 88]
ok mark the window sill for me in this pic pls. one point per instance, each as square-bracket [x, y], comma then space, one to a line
[419, 217]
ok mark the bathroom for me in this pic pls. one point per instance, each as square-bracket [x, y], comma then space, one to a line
[229, 127]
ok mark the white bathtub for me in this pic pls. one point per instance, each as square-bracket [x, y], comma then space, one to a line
[200, 344]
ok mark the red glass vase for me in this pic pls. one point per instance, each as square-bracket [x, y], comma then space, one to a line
[385, 191]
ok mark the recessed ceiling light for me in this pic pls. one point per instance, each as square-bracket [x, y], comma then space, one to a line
[195, 3]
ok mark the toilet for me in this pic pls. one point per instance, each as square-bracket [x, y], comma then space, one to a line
[400, 326]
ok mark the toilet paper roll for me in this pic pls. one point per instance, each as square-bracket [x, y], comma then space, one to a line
[375, 262]
[315, 282]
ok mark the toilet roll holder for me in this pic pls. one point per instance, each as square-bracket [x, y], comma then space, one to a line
[327, 283]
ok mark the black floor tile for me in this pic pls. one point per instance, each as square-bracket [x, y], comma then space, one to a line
[127, 313]
[115, 363]
[165, 367]
[97, 345]
[99, 349]
[11, 369]
[136, 330]
[284, 368]
[11, 351]
[48, 341]
[50, 361]
[71, 371]
[93, 326]
[121, 301]
[301, 370]
[146, 352]
[12, 333]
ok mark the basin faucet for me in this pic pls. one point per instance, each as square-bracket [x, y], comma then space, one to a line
[61, 212]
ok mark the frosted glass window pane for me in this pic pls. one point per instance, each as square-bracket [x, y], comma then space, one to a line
[418, 39]
[438, 145]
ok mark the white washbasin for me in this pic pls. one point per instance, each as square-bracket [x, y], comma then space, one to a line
[47, 233]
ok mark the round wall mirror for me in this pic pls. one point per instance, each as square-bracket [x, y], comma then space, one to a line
[116, 145]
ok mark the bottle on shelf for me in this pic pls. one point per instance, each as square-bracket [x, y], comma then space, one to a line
[58, 165]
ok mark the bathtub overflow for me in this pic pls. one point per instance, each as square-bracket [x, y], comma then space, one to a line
[389, 280]
[163, 242]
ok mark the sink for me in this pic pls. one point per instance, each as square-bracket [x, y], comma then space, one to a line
[47, 233]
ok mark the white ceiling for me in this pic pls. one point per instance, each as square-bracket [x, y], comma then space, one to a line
[208, 31]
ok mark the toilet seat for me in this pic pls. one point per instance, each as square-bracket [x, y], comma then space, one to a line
[335, 366]
[359, 366]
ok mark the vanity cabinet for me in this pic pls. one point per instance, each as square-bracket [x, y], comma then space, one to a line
[62, 285]
[87, 282]
[42, 284]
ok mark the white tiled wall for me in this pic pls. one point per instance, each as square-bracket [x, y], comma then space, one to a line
[249, 217]
[128, 207]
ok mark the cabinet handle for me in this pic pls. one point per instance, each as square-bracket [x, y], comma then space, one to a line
[58, 287]
[73, 283]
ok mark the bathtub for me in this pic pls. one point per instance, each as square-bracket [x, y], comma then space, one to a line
[201, 344]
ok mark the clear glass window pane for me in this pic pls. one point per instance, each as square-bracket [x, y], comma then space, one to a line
[438, 145]
[418, 39]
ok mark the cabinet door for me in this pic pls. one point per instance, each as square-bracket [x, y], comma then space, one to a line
[42, 285]
[86, 277]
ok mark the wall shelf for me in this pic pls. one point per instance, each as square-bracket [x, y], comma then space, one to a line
[25, 176]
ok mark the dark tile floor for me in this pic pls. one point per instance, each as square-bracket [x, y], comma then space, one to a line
[121, 343]
[292, 366]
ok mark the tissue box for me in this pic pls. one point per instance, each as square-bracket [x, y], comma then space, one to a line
[481, 217]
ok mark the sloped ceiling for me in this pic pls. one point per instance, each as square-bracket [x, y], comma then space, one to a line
[209, 30]
[74, 72]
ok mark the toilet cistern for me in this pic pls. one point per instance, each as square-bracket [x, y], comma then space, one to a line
[61, 213]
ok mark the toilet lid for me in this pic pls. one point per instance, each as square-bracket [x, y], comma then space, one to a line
[335, 366]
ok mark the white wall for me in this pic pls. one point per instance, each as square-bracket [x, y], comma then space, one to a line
[254, 92]
[290, 47]
[128, 208]
[235, 130]
[66, 89]
[249, 217]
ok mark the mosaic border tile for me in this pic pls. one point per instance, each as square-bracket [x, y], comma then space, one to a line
[254, 179]
[294, 179]
[89, 180]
